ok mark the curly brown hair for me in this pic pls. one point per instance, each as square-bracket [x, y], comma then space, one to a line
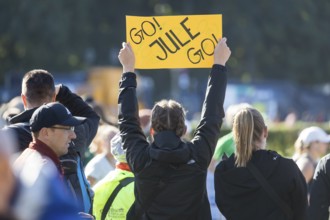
[168, 115]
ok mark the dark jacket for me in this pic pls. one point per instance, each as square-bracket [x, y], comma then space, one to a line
[319, 201]
[240, 196]
[85, 134]
[170, 175]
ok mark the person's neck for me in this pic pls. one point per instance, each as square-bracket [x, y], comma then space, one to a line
[36, 105]
[314, 155]
[29, 106]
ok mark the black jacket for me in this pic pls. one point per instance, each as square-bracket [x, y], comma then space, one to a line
[170, 175]
[85, 133]
[319, 201]
[240, 196]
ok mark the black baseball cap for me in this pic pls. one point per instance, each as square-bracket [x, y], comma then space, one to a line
[51, 114]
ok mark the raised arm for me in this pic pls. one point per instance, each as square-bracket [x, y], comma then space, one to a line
[208, 130]
[78, 107]
[132, 135]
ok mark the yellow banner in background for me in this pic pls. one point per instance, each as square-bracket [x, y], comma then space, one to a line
[185, 41]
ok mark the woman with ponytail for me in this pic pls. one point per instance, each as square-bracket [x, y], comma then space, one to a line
[240, 195]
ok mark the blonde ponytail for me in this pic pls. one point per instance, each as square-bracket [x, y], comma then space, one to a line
[248, 127]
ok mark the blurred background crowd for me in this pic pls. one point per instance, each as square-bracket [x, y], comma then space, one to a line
[279, 65]
[279, 60]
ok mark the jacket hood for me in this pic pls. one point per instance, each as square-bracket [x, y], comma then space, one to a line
[237, 180]
[168, 147]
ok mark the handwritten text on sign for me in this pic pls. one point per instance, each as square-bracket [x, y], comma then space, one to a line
[174, 41]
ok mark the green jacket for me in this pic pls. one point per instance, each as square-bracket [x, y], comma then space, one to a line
[225, 145]
[123, 200]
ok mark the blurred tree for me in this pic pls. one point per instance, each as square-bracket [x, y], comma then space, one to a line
[280, 40]
[38, 34]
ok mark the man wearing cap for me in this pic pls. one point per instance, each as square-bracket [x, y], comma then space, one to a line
[52, 127]
[311, 145]
[114, 194]
[22, 193]
[38, 87]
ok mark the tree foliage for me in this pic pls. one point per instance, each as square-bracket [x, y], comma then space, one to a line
[280, 40]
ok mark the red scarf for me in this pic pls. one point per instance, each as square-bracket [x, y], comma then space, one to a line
[43, 149]
[123, 166]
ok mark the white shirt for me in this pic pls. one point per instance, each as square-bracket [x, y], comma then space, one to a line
[98, 167]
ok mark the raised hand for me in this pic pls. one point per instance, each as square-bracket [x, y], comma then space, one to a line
[221, 52]
[127, 58]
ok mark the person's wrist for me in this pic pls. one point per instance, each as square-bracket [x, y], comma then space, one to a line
[128, 69]
[222, 63]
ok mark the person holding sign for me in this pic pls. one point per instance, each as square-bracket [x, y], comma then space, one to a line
[170, 175]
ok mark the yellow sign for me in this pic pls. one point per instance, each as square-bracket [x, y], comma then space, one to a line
[185, 41]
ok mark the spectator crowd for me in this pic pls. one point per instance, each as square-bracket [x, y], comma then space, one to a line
[144, 165]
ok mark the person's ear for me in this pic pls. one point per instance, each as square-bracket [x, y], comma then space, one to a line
[184, 130]
[54, 98]
[152, 131]
[23, 97]
[43, 131]
[265, 132]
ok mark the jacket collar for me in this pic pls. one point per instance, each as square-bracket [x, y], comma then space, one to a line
[167, 140]
[22, 117]
[169, 148]
[43, 149]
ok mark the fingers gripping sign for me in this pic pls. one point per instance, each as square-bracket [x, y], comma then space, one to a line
[221, 52]
[127, 58]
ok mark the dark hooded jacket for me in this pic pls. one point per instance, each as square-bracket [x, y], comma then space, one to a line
[170, 175]
[319, 202]
[240, 196]
[71, 162]
[85, 132]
